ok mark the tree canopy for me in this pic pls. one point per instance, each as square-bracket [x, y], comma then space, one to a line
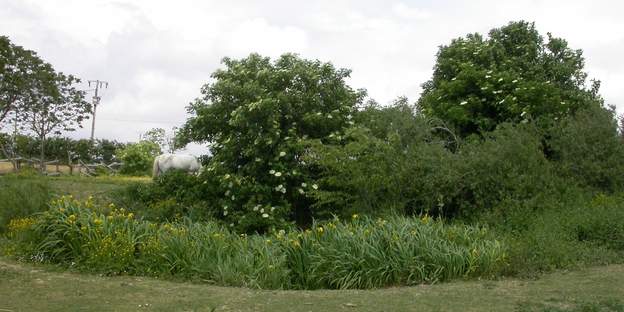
[256, 115]
[513, 75]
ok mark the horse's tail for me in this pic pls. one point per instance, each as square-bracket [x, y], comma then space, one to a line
[155, 168]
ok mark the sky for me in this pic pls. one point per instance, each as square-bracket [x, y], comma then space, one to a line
[156, 55]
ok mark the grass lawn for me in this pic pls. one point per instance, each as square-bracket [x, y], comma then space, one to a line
[27, 287]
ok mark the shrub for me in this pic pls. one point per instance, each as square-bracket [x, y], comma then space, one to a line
[138, 158]
[171, 196]
[256, 113]
[507, 164]
[378, 176]
[561, 230]
[586, 148]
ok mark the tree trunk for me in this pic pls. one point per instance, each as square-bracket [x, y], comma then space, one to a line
[41, 154]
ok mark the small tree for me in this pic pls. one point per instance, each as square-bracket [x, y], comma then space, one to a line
[52, 105]
[514, 75]
[137, 158]
[166, 141]
[256, 115]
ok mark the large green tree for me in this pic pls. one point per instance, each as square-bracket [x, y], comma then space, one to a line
[512, 75]
[257, 114]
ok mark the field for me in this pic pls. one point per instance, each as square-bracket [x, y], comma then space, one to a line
[593, 289]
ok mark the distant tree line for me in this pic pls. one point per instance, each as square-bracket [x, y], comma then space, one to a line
[64, 150]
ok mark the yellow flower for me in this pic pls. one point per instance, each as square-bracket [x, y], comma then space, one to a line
[354, 216]
[319, 229]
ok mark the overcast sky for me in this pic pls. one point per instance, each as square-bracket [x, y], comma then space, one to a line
[157, 54]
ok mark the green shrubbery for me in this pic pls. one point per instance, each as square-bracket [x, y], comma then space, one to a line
[362, 253]
[587, 149]
[138, 158]
[171, 196]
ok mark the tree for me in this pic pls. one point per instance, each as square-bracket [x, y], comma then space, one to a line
[166, 141]
[514, 75]
[52, 105]
[137, 158]
[17, 67]
[38, 97]
[256, 115]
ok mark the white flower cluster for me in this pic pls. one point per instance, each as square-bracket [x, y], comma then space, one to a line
[281, 188]
[275, 173]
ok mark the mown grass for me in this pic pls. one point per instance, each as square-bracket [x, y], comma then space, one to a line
[28, 287]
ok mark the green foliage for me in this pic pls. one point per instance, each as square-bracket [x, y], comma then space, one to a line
[512, 76]
[399, 175]
[138, 158]
[363, 253]
[21, 198]
[507, 164]
[561, 230]
[588, 149]
[172, 196]
[256, 114]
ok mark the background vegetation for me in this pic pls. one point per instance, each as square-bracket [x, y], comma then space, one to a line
[509, 164]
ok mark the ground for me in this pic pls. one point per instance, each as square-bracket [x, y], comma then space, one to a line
[28, 287]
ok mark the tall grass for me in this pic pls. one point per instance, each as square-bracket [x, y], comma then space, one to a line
[21, 197]
[359, 253]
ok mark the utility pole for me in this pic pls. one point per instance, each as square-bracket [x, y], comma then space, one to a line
[96, 100]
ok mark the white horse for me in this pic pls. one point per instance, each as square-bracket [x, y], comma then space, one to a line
[165, 162]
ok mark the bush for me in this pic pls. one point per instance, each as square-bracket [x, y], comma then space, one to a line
[587, 149]
[378, 176]
[171, 196]
[362, 253]
[138, 158]
[256, 113]
[507, 164]
[560, 231]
